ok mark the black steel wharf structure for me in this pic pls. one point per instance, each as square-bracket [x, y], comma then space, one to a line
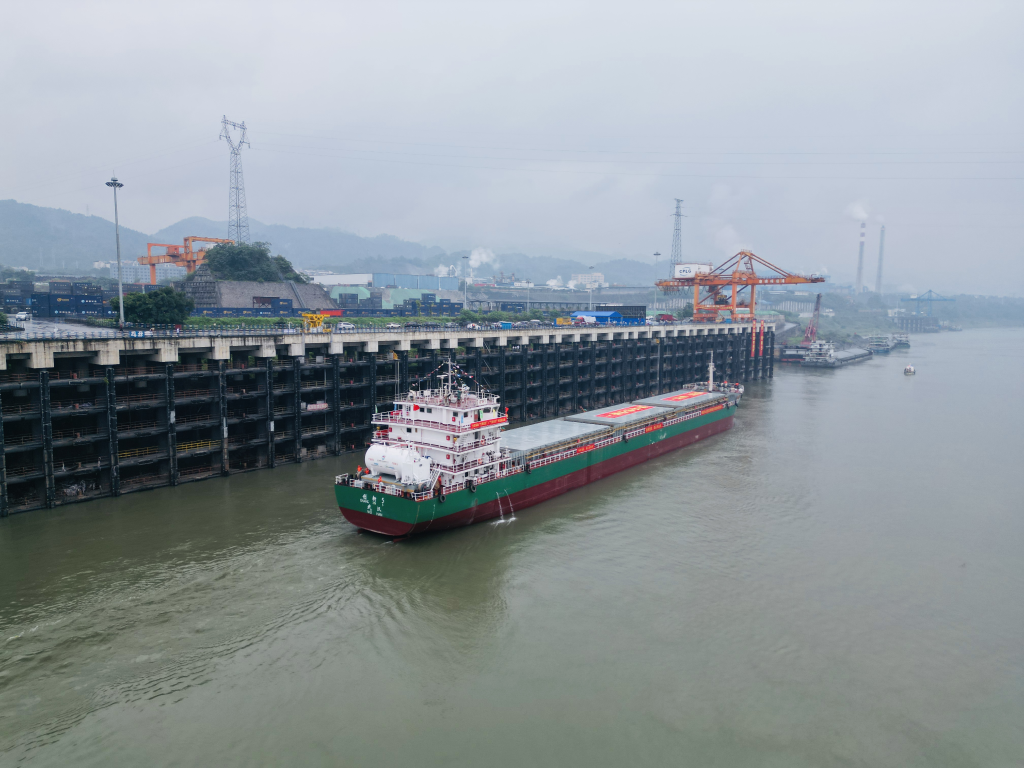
[90, 415]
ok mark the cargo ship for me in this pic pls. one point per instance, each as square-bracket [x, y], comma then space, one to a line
[877, 344]
[823, 354]
[442, 458]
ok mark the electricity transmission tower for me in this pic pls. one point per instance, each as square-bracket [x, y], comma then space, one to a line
[238, 218]
[677, 234]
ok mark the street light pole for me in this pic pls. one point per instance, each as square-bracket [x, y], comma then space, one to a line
[590, 290]
[465, 282]
[116, 185]
[656, 255]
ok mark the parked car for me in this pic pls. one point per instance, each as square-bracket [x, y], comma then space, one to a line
[345, 326]
[394, 326]
[21, 316]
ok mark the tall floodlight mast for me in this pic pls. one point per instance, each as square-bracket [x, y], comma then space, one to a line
[677, 234]
[116, 185]
[238, 218]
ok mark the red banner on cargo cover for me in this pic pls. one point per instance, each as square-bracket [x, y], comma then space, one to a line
[683, 396]
[624, 411]
[489, 422]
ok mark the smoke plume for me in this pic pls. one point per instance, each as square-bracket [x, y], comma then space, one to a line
[482, 256]
[857, 210]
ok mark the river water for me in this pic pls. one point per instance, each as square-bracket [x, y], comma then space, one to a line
[837, 581]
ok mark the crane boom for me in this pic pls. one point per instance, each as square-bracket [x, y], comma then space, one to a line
[811, 332]
[179, 255]
[738, 274]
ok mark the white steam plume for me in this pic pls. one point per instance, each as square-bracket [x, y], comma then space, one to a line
[556, 283]
[857, 210]
[482, 256]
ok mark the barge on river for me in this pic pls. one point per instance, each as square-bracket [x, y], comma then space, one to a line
[441, 460]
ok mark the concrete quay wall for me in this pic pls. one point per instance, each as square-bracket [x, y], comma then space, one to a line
[85, 416]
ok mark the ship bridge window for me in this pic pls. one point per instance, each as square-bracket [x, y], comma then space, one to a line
[408, 429]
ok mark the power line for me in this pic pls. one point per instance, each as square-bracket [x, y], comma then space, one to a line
[637, 152]
[656, 175]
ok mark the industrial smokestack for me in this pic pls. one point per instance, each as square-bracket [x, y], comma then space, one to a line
[860, 261]
[881, 254]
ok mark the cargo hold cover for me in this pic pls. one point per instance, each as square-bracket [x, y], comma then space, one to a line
[537, 436]
[683, 398]
[619, 415]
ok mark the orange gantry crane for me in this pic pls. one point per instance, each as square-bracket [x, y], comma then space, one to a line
[739, 275]
[181, 255]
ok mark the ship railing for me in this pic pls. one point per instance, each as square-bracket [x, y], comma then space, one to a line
[382, 437]
[426, 397]
[392, 417]
[383, 486]
[567, 453]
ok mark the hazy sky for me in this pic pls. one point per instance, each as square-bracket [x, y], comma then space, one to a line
[550, 128]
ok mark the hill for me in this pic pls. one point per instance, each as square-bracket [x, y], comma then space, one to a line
[51, 240]
[54, 240]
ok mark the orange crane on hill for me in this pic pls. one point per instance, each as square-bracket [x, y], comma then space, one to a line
[179, 255]
[738, 274]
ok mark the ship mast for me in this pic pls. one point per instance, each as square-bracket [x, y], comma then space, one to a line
[711, 373]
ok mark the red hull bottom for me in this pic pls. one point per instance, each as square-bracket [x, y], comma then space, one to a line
[538, 493]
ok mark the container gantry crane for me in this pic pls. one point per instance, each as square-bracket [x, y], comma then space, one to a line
[739, 275]
[179, 255]
[929, 297]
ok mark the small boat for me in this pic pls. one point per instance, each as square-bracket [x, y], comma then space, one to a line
[909, 371]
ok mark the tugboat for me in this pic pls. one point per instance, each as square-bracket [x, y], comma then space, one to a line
[909, 371]
[439, 460]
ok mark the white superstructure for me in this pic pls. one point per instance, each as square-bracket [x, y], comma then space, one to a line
[455, 428]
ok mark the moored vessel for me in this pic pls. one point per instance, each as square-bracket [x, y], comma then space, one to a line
[439, 460]
[876, 344]
[823, 354]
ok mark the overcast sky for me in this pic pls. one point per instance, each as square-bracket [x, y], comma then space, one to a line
[550, 128]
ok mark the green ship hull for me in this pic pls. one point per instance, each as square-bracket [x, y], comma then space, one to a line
[392, 515]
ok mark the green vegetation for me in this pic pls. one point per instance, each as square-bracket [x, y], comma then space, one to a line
[250, 262]
[15, 274]
[468, 316]
[164, 306]
[199, 323]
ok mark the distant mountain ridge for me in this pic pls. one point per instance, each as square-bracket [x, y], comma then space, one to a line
[53, 240]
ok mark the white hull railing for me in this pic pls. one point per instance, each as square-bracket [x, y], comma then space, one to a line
[390, 417]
